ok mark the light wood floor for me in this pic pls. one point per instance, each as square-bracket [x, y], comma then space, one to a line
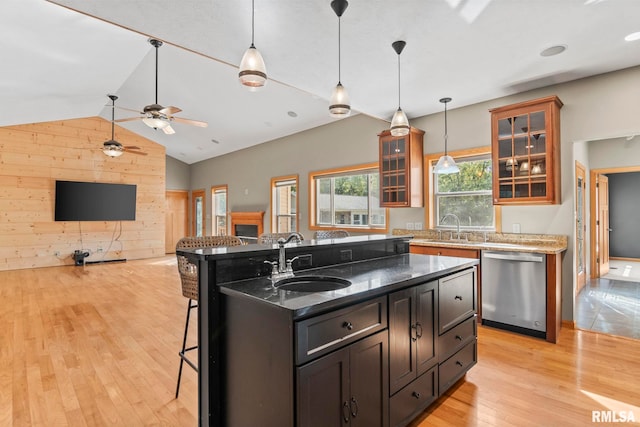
[98, 346]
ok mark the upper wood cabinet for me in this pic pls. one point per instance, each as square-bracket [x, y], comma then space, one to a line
[525, 146]
[401, 167]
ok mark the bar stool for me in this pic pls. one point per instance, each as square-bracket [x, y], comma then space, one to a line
[189, 279]
[330, 234]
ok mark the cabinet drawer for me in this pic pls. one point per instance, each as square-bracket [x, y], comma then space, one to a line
[457, 365]
[456, 338]
[413, 398]
[321, 334]
[457, 299]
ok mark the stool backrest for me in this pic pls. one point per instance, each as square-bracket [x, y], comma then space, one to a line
[271, 238]
[330, 234]
[188, 271]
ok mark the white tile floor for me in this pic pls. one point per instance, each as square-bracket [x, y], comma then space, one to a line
[611, 304]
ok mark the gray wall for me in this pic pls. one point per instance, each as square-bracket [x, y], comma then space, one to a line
[624, 221]
[178, 174]
[595, 108]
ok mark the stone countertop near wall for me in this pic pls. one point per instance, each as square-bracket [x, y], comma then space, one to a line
[515, 242]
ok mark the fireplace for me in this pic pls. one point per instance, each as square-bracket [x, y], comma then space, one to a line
[247, 224]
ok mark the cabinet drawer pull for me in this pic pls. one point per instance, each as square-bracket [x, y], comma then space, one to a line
[416, 394]
[459, 363]
[458, 297]
[458, 337]
[345, 411]
[354, 407]
[347, 325]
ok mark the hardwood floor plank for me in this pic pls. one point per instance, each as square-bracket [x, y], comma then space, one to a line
[97, 346]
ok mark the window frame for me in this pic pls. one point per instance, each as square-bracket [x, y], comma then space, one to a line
[215, 188]
[430, 161]
[342, 171]
[275, 183]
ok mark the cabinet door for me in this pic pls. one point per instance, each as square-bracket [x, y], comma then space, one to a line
[402, 351]
[426, 320]
[369, 375]
[323, 391]
[401, 166]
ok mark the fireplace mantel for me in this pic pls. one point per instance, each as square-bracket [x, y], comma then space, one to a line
[247, 218]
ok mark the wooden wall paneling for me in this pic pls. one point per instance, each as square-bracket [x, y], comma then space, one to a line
[34, 156]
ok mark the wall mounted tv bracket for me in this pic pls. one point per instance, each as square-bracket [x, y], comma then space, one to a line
[79, 256]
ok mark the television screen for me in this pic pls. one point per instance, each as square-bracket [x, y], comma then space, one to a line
[94, 201]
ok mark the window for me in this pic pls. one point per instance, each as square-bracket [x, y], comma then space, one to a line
[219, 209]
[467, 194]
[284, 204]
[347, 198]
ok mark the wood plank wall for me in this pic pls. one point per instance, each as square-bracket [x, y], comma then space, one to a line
[34, 156]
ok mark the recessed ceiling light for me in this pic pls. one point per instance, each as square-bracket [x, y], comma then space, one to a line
[292, 114]
[553, 50]
[632, 37]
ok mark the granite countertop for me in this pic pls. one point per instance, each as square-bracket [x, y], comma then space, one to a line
[369, 279]
[515, 242]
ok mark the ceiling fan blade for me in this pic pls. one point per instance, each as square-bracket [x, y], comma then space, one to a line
[169, 110]
[132, 147]
[142, 153]
[129, 119]
[168, 130]
[128, 109]
[190, 122]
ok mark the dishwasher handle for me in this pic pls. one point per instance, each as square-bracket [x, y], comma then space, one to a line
[511, 257]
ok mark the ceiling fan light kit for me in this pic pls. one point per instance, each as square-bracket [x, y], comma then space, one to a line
[399, 123]
[339, 104]
[113, 148]
[446, 164]
[253, 72]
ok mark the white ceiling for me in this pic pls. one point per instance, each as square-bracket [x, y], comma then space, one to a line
[60, 64]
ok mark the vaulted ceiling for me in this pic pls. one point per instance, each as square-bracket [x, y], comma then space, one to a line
[62, 57]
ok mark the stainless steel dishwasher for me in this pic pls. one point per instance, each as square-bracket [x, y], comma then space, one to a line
[514, 291]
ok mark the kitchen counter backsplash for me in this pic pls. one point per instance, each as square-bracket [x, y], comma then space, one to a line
[553, 242]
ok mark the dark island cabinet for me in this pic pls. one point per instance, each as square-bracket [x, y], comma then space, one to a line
[346, 387]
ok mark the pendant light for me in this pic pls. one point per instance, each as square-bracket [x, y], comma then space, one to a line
[253, 73]
[339, 105]
[399, 123]
[446, 164]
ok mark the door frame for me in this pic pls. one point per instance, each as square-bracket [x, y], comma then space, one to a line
[581, 275]
[593, 173]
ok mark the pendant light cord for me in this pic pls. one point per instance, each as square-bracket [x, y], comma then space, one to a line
[253, 12]
[113, 117]
[399, 81]
[156, 74]
[339, 51]
[445, 129]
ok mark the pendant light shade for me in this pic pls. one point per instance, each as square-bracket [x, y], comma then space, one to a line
[339, 105]
[446, 164]
[399, 123]
[253, 73]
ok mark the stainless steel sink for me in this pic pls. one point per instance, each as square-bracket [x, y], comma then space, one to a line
[311, 284]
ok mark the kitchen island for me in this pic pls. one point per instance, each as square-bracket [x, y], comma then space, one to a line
[374, 353]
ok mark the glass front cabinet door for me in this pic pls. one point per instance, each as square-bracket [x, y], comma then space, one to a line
[525, 146]
[401, 169]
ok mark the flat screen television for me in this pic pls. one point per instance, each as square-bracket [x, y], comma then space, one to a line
[94, 201]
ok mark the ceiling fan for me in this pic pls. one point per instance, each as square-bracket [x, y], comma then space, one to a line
[155, 115]
[113, 148]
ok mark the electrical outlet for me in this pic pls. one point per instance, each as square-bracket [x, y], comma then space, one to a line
[516, 228]
[346, 255]
[99, 249]
[409, 226]
[304, 260]
[417, 226]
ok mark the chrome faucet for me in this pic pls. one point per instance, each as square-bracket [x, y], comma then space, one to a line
[454, 216]
[283, 268]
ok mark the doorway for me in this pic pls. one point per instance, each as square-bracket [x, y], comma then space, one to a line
[581, 227]
[198, 213]
[176, 218]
